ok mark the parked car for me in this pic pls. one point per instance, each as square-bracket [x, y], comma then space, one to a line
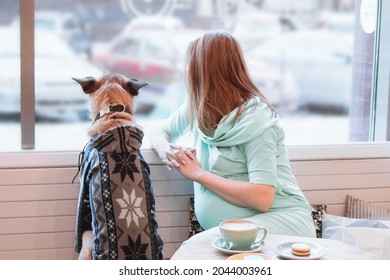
[321, 65]
[138, 56]
[157, 57]
[150, 55]
[56, 94]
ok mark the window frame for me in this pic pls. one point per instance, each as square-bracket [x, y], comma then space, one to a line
[35, 159]
[27, 74]
[380, 110]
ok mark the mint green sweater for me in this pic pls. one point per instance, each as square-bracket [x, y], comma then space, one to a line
[249, 149]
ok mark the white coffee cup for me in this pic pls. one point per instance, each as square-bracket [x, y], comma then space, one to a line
[241, 234]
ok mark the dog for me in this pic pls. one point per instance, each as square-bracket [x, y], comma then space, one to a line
[116, 205]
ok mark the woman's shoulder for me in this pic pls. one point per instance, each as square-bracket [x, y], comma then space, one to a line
[257, 109]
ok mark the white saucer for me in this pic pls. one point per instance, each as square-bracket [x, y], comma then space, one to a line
[220, 245]
[316, 251]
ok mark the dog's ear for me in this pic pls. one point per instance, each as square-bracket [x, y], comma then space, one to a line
[133, 85]
[88, 84]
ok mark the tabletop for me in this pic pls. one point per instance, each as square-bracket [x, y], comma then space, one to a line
[199, 247]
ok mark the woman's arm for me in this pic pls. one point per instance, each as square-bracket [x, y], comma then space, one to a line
[172, 128]
[160, 141]
[246, 194]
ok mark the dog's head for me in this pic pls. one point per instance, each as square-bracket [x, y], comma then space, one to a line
[113, 91]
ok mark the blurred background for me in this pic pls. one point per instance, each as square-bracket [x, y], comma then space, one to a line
[301, 54]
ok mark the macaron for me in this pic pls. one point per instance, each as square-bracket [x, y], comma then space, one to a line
[300, 249]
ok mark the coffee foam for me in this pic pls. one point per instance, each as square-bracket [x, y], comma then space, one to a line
[239, 225]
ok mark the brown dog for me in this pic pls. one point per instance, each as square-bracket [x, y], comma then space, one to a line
[109, 90]
[116, 208]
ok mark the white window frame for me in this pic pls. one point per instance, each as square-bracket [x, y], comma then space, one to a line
[367, 150]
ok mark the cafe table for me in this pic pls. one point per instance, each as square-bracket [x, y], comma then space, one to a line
[200, 247]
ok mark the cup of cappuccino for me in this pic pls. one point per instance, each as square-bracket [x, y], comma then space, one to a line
[242, 234]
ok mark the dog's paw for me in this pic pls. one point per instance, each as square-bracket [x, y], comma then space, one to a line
[85, 254]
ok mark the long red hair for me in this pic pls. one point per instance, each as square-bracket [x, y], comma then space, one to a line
[217, 80]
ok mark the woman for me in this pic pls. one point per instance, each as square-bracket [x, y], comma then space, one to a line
[240, 165]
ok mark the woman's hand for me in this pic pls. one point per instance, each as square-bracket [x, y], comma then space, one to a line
[169, 155]
[188, 165]
[167, 151]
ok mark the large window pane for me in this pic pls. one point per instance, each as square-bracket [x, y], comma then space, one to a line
[313, 60]
[10, 137]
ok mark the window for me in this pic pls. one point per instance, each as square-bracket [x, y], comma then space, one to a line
[322, 64]
[126, 47]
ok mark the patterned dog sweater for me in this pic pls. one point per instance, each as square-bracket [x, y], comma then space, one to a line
[116, 199]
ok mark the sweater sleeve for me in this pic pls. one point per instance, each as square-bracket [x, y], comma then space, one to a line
[177, 124]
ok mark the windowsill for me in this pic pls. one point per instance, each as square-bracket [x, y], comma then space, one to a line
[338, 152]
[36, 159]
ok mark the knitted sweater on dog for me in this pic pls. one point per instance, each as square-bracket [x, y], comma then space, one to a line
[116, 198]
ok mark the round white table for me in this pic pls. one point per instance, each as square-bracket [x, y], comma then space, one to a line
[199, 247]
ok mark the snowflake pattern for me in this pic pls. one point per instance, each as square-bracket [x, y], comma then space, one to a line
[125, 165]
[135, 250]
[130, 208]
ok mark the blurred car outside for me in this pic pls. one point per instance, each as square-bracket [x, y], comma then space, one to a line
[57, 96]
[140, 56]
[321, 65]
[67, 26]
[154, 56]
[151, 55]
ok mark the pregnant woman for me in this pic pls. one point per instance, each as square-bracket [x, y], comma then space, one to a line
[239, 164]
